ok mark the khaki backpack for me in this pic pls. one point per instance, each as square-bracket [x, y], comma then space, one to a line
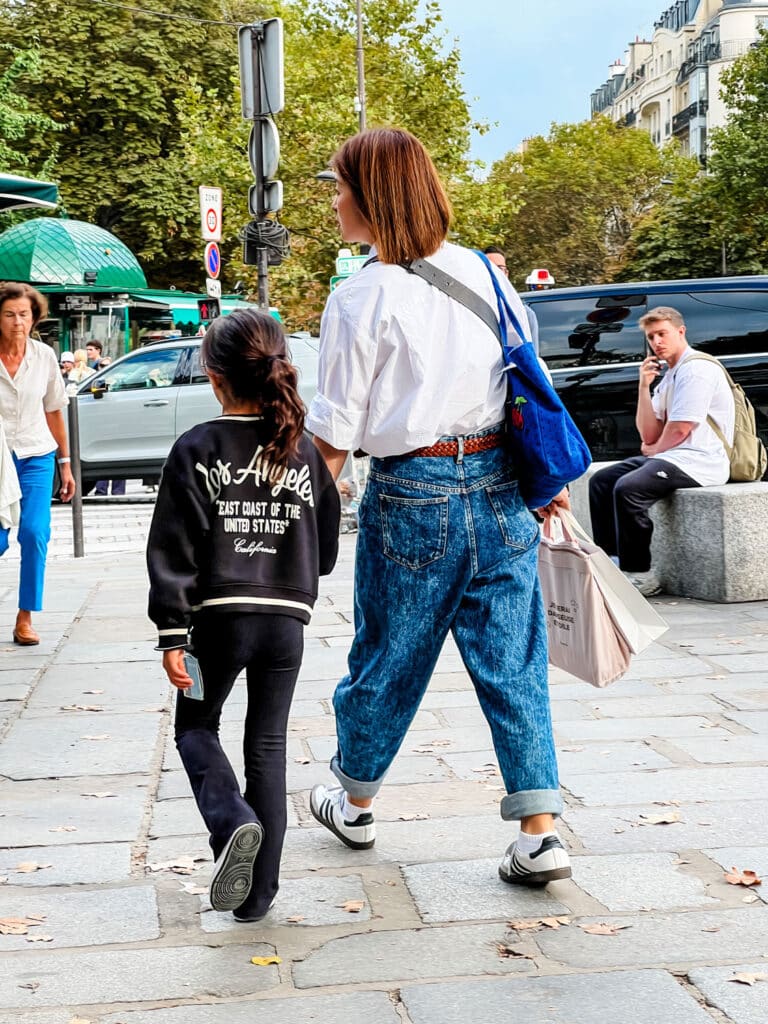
[747, 457]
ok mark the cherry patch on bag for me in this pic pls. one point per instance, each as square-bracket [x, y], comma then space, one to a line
[516, 415]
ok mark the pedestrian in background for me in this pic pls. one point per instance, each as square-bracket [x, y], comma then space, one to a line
[93, 350]
[67, 364]
[247, 517]
[80, 372]
[445, 544]
[32, 400]
[499, 260]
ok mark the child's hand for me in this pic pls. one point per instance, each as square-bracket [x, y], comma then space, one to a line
[173, 663]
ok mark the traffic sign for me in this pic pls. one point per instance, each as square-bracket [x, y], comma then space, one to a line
[212, 288]
[210, 213]
[212, 260]
[262, 79]
[348, 265]
[270, 148]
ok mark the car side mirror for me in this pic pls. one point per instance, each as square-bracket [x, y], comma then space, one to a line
[99, 389]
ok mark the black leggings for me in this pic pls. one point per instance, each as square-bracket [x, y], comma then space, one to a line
[269, 648]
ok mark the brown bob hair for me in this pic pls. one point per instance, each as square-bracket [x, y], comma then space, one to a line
[398, 192]
[20, 290]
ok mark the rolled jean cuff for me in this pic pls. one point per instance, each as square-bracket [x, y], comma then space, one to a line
[353, 787]
[531, 801]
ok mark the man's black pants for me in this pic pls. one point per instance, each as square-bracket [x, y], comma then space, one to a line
[619, 499]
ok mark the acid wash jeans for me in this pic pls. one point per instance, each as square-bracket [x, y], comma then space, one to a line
[446, 544]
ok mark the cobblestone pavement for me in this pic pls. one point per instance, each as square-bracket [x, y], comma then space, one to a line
[102, 855]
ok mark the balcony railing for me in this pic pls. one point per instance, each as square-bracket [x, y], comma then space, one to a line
[630, 118]
[681, 121]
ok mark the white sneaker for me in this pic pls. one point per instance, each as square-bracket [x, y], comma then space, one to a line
[647, 583]
[325, 805]
[549, 862]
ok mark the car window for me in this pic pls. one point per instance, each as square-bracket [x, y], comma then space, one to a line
[198, 375]
[722, 323]
[590, 331]
[150, 369]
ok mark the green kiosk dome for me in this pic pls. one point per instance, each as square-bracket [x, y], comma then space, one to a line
[46, 250]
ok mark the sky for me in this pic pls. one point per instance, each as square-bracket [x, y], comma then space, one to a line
[530, 62]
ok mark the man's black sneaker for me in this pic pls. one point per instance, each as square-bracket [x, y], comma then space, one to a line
[233, 871]
[549, 862]
[325, 805]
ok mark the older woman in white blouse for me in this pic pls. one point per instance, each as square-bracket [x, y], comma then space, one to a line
[32, 400]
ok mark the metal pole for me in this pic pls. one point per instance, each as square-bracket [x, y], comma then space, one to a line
[263, 256]
[724, 259]
[360, 67]
[264, 280]
[74, 454]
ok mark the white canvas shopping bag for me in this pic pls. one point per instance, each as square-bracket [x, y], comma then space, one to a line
[596, 619]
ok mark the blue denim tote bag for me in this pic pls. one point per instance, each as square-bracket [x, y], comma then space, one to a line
[548, 449]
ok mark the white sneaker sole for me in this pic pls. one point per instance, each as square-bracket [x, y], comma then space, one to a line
[233, 871]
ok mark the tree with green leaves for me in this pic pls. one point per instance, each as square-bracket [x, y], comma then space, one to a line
[18, 121]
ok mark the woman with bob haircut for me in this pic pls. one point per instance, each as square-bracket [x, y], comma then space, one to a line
[446, 543]
[32, 402]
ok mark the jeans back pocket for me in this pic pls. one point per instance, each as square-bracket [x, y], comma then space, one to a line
[518, 527]
[414, 530]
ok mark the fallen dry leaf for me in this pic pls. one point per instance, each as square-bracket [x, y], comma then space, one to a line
[750, 898]
[32, 985]
[93, 691]
[603, 928]
[20, 925]
[63, 828]
[28, 867]
[181, 866]
[3, 879]
[193, 890]
[413, 817]
[39, 938]
[737, 877]
[511, 953]
[423, 750]
[712, 928]
[539, 922]
[81, 707]
[302, 760]
[80, 1020]
[102, 736]
[441, 743]
[295, 919]
[571, 750]
[102, 795]
[265, 961]
[749, 979]
[352, 906]
[660, 819]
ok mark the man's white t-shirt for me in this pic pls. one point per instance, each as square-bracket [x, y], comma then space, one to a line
[690, 392]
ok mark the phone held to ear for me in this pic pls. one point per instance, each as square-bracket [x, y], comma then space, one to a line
[192, 666]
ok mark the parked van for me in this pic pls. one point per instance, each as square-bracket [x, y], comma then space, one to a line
[591, 341]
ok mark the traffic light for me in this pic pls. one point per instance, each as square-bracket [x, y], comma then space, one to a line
[208, 309]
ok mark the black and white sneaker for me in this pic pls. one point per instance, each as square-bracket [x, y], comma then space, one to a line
[233, 871]
[325, 805]
[549, 862]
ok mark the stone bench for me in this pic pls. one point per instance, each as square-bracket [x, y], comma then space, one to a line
[709, 543]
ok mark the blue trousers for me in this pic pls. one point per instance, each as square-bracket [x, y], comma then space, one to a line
[447, 544]
[36, 482]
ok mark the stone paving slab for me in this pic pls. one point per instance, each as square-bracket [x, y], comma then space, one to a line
[685, 784]
[408, 955]
[743, 1004]
[62, 746]
[78, 864]
[317, 901]
[733, 749]
[182, 818]
[103, 652]
[375, 1007]
[632, 997]
[123, 686]
[608, 729]
[757, 721]
[83, 918]
[133, 975]
[754, 858]
[610, 757]
[640, 881]
[33, 809]
[664, 705]
[701, 826]
[471, 890]
[661, 940]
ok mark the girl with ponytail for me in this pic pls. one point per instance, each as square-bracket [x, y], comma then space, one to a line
[247, 518]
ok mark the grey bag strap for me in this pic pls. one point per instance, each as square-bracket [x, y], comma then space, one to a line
[456, 290]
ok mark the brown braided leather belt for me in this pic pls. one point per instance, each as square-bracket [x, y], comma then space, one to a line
[471, 446]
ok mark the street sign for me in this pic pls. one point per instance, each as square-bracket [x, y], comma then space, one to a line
[348, 265]
[212, 288]
[262, 81]
[273, 198]
[212, 260]
[210, 213]
[208, 309]
[270, 148]
[336, 280]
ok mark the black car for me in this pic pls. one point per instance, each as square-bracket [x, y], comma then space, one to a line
[590, 339]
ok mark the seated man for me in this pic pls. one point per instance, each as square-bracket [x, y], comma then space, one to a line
[679, 448]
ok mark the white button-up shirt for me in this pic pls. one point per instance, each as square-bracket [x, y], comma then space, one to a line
[402, 363]
[37, 388]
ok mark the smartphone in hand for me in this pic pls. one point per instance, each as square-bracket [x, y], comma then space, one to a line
[192, 666]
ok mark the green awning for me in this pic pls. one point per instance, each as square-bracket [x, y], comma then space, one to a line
[19, 193]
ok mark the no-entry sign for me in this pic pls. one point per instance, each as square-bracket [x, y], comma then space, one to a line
[210, 213]
[212, 260]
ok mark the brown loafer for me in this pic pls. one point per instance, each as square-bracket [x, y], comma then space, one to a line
[24, 635]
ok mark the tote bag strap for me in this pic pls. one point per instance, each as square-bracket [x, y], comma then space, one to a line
[456, 290]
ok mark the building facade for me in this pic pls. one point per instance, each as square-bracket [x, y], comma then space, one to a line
[670, 85]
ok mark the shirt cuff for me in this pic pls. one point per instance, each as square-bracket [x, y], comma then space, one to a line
[171, 639]
[341, 428]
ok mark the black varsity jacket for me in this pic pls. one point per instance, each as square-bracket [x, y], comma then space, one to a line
[232, 532]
